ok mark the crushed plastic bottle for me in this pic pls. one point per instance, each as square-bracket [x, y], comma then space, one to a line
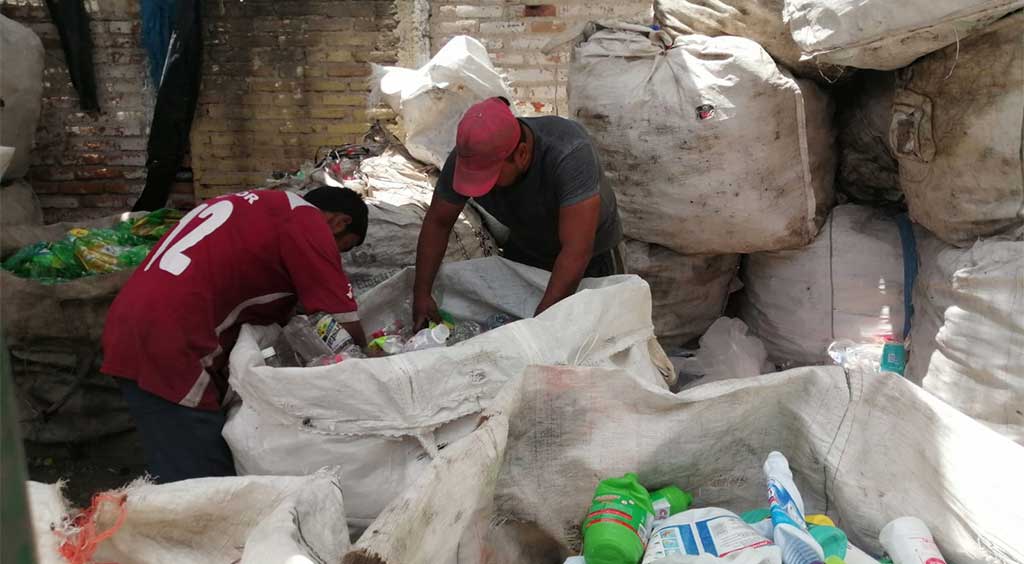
[464, 331]
[304, 340]
[499, 320]
[428, 339]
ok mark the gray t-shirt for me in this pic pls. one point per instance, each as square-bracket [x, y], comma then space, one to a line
[565, 170]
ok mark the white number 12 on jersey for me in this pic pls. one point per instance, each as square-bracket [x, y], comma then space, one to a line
[174, 260]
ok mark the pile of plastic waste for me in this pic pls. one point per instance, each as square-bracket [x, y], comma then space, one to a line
[321, 340]
[627, 524]
[84, 252]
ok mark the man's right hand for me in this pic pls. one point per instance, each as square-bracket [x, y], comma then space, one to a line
[424, 310]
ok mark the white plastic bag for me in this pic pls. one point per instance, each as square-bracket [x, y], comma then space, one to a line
[886, 34]
[728, 351]
[956, 132]
[381, 420]
[863, 448]
[247, 520]
[710, 147]
[967, 342]
[432, 99]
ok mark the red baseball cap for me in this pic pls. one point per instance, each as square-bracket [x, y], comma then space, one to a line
[488, 133]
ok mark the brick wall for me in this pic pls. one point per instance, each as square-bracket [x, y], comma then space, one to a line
[89, 165]
[281, 79]
[514, 33]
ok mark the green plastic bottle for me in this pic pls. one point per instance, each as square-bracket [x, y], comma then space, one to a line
[668, 501]
[618, 523]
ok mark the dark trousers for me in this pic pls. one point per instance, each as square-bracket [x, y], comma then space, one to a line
[180, 442]
[607, 263]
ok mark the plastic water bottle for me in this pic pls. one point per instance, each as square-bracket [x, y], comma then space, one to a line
[787, 507]
[431, 338]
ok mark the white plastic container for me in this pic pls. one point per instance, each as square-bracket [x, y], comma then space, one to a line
[855, 555]
[711, 531]
[907, 540]
[787, 507]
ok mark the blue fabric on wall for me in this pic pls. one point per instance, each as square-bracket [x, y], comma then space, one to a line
[157, 24]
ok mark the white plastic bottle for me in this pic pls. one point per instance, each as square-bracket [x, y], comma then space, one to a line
[907, 540]
[787, 508]
[428, 339]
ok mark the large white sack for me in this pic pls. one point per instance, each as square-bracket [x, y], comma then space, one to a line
[249, 520]
[19, 205]
[967, 342]
[710, 147]
[886, 34]
[21, 88]
[689, 291]
[868, 171]
[863, 448]
[431, 100]
[847, 284]
[381, 420]
[758, 20]
[956, 131]
[398, 192]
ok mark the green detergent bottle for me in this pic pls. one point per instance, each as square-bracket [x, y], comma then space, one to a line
[669, 501]
[618, 523]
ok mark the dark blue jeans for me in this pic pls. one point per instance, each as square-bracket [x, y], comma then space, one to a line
[180, 442]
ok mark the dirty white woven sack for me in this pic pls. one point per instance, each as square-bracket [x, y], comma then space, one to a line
[381, 420]
[689, 291]
[864, 449]
[886, 34]
[758, 20]
[967, 342]
[19, 205]
[246, 520]
[710, 147]
[956, 131]
[431, 100]
[847, 284]
[21, 88]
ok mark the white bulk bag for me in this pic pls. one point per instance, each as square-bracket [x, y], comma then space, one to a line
[21, 88]
[711, 148]
[967, 342]
[250, 520]
[886, 34]
[956, 131]
[864, 448]
[380, 420]
[689, 291]
[758, 20]
[848, 284]
[431, 100]
[397, 192]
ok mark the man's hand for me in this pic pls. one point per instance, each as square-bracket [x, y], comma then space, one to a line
[437, 225]
[577, 227]
[424, 310]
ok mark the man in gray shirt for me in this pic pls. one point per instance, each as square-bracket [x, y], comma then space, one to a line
[540, 177]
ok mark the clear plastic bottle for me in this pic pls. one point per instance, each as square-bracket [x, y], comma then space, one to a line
[304, 340]
[428, 339]
[789, 527]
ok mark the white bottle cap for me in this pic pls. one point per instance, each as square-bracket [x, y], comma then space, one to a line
[268, 352]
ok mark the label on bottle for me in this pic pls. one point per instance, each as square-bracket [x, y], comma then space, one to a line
[718, 536]
[620, 511]
[332, 333]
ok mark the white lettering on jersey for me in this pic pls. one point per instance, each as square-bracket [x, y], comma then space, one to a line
[248, 196]
[174, 260]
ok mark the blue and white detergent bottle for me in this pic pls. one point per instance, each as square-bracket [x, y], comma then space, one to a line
[789, 527]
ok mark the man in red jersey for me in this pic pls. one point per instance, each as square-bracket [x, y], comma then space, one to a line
[244, 258]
